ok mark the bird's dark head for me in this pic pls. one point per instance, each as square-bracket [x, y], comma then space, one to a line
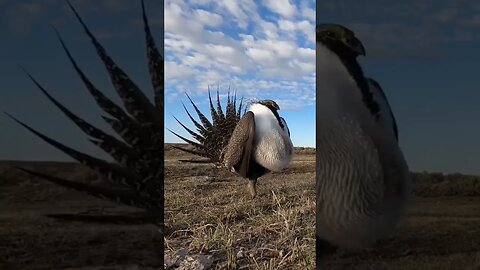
[272, 105]
[339, 39]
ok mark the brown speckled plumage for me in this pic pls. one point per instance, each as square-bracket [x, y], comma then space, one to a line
[362, 175]
[251, 145]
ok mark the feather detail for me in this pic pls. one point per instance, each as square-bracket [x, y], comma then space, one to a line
[136, 178]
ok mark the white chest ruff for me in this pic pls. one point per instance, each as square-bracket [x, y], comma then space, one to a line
[273, 148]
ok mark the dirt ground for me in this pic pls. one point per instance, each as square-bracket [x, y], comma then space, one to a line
[209, 212]
[439, 233]
[29, 240]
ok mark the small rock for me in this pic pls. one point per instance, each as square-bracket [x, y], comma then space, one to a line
[196, 262]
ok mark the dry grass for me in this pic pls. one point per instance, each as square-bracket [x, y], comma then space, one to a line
[210, 212]
[438, 233]
[438, 184]
[29, 240]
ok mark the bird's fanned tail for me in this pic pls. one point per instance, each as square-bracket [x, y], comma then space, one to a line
[155, 65]
[136, 178]
[211, 137]
[124, 196]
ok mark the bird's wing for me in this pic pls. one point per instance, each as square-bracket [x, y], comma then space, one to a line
[240, 147]
[385, 110]
[136, 177]
[211, 137]
[285, 126]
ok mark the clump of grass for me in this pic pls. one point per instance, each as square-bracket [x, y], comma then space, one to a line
[291, 227]
[208, 237]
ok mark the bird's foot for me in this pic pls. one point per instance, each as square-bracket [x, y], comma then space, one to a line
[252, 187]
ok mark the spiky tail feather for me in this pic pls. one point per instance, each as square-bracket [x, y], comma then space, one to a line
[212, 137]
[137, 177]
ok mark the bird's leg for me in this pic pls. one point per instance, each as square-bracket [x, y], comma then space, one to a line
[252, 187]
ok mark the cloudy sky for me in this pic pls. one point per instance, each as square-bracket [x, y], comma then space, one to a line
[27, 39]
[425, 54]
[262, 49]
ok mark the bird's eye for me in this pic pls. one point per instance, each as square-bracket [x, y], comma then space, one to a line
[349, 41]
[329, 34]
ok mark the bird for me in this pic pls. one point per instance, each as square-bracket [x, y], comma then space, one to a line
[362, 175]
[250, 144]
[387, 118]
[135, 178]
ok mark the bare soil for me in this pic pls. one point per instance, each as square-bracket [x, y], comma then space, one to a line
[29, 240]
[438, 233]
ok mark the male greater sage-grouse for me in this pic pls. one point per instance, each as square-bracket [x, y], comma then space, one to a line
[136, 178]
[362, 176]
[251, 144]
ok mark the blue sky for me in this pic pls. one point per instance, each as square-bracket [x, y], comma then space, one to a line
[425, 55]
[261, 49]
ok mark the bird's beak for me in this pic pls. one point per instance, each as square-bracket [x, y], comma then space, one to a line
[252, 187]
[358, 47]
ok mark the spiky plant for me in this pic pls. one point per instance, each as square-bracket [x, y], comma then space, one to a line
[136, 176]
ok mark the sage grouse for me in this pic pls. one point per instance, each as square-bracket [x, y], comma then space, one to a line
[362, 176]
[250, 144]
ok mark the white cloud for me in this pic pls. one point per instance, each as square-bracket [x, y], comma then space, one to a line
[260, 55]
[282, 7]
[306, 27]
[238, 44]
[306, 53]
[308, 12]
[208, 18]
[238, 10]
[287, 25]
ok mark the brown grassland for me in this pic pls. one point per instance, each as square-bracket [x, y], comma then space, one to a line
[29, 240]
[209, 212]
